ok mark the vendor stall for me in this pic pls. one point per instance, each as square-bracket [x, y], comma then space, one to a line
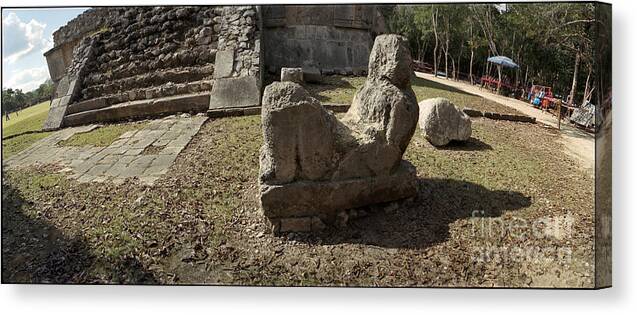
[541, 97]
[500, 62]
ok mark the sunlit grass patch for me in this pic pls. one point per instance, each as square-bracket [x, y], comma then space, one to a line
[341, 90]
[21, 142]
[103, 136]
[29, 119]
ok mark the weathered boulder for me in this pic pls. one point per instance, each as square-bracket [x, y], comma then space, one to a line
[391, 60]
[442, 122]
[298, 143]
[292, 75]
[313, 165]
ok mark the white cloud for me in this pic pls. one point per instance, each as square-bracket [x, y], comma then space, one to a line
[27, 79]
[20, 38]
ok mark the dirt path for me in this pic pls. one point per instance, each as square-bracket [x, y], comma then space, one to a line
[577, 143]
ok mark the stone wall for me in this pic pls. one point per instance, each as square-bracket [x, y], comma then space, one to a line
[332, 50]
[238, 68]
[151, 52]
[142, 55]
[333, 38]
[145, 53]
[89, 21]
[68, 87]
[239, 31]
[67, 37]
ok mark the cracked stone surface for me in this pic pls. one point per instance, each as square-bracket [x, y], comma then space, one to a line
[146, 153]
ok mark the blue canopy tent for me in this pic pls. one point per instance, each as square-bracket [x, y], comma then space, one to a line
[502, 61]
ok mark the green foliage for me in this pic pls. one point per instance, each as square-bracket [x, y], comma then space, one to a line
[19, 143]
[13, 100]
[543, 38]
[30, 119]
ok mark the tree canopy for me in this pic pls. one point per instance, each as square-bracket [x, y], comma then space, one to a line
[15, 99]
[553, 43]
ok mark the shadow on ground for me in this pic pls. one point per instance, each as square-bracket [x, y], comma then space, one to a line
[329, 83]
[34, 251]
[425, 221]
[472, 144]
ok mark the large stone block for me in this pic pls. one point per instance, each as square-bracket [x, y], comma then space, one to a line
[55, 118]
[74, 86]
[312, 74]
[392, 60]
[292, 75]
[224, 63]
[298, 139]
[91, 104]
[62, 87]
[235, 92]
[314, 165]
[325, 199]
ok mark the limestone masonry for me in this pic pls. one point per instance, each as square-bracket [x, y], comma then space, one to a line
[329, 164]
[114, 63]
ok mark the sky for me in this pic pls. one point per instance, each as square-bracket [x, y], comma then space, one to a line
[26, 35]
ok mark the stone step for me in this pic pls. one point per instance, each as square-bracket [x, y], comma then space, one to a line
[233, 112]
[155, 79]
[256, 110]
[141, 109]
[150, 92]
[87, 105]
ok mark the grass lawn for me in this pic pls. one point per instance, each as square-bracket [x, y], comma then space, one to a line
[32, 119]
[19, 143]
[29, 119]
[341, 89]
[103, 136]
[200, 223]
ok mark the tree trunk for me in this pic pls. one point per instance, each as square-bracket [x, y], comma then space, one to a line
[499, 78]
[571, 96]
[434, 17]
[459, 57]
[447, 58]
[418, 50]
[447, 48]
[587, 89]
[471, 67]
[472, 47]
[424, 50]
[488, 68]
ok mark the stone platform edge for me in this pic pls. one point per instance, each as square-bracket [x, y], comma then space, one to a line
[140, 109]
[256, 110]
[497, 116]
[307, 206]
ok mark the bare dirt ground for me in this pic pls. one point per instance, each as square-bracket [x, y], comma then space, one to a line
[508, 209]
[578, 144]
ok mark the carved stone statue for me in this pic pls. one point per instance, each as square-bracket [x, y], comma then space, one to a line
[314, 165]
